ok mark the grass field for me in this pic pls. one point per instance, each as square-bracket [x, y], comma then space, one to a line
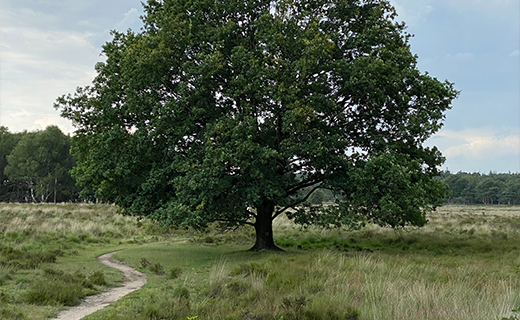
[465, 264]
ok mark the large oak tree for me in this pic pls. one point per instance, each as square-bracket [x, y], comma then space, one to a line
[224, 110]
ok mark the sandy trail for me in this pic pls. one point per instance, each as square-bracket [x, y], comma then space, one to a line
[133, 280]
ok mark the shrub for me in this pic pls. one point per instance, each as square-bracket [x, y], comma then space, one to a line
[157, 268]
[45, 292]
[10, 313]
[182, 293]
[144, 263]
[97, 278]
[57, 287]
[175, 273]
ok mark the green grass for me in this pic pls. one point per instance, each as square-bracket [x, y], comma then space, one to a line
[318, 284]
[465, 264]
[47, 254]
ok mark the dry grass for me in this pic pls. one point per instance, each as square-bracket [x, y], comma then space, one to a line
[39, 237]
[465, 264]
[377, 285]
[76, 223]
[61, 218]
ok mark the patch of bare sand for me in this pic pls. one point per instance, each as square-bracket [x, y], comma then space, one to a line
[133, 280]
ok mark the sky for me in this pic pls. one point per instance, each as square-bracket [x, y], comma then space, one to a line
[50, 47]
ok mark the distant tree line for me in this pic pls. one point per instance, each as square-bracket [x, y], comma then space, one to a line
[464, 188]
[477, 188]
[35, 167]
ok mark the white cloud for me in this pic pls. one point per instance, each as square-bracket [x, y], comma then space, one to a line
[461, 56]
[41, 45]
[480, 143]
[412, 11]
[428, 9]
[515, 53]
[48, 48]
[130, 18]
[37, 67]
[486, 5]
[53, 120]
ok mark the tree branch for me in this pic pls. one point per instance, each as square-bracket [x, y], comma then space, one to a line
[292, 205]
[234, 222]
[302, 184]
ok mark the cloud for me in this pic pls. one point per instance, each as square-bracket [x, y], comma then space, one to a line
[461, 56]
[412, 12]
[481, 143]
[487, 5]
[515, 53]
[48, 48]
[39, 45]
[37, 67]
[130, 18]
[480, 149]
[53, 120]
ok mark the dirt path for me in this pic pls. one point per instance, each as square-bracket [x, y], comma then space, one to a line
[132, 281]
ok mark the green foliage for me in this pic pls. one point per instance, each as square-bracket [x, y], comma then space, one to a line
[24, 258]
[476, 188]
[317, 197]
[39, 166]
[225, 110]
[157, 268]
[174, 273]
[10, 313]
[144, 263]
[182, 293]
[411, 273]
[47, 254]
[8, 141]
[58, 287]
[97, 278]
[513, 317]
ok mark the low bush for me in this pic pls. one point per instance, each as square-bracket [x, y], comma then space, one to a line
[157, 268]
[56, 287]
[97, 278]
[26, 259]
[55, 292]
[175, 272]
[10, 313]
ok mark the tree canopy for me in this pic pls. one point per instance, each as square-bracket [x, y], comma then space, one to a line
[476, 188]
[225, 110]
[35, 166]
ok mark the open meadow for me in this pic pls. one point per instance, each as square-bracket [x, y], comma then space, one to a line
[464, 264]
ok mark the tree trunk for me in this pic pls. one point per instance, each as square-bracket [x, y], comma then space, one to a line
[55, 187]
[264, 227]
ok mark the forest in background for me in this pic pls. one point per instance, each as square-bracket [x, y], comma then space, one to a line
[477, 188]
[35, 167]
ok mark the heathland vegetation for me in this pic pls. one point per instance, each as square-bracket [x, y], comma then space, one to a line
[464, 264]
[298, 125]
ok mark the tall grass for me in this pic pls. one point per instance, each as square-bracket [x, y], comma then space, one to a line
[327, 284]
[35, 237]
[465, 264]
[100, 222]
